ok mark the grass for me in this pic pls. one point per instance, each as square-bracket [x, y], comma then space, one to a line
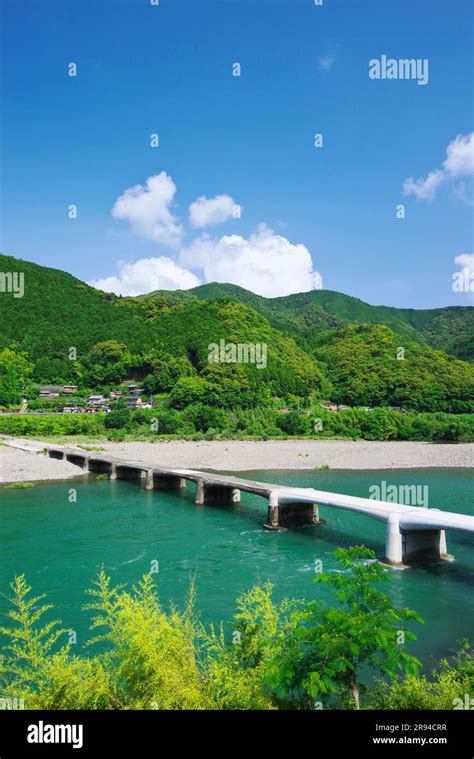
[20, 485]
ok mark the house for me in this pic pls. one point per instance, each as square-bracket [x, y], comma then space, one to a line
[95, 400]
[132, 401]
[70, 389]
[329, 406]
[50, 391]
[134, 390]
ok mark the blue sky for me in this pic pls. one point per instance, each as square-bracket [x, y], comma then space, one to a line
[168, 69]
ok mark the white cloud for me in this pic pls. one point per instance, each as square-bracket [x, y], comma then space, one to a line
[147, 209]
[326, 62]
[424, 189]
[266, 263]
[460, 160]
[459, 163]
[205, 212]
[466, 261]
[146, 275]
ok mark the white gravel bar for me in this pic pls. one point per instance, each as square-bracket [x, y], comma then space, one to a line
[19, 465]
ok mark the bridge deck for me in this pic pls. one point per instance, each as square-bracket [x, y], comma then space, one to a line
[410, 518]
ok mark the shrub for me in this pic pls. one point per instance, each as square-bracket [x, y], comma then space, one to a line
[117, 419]
[293, 423]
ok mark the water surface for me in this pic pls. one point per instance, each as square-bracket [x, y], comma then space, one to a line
[60, 546]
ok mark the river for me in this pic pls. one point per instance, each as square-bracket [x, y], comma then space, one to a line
[61, 544]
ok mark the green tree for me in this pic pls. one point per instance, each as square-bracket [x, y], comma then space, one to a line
[117, 419]
[15, 369]
[186, 391]
[332, 643]
[294, 423]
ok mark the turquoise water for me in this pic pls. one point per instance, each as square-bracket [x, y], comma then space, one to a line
[61, 545]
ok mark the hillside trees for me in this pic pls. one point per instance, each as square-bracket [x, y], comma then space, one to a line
[372, 366]
[15, 371]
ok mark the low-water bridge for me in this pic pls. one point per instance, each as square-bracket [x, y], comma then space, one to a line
[413, 535]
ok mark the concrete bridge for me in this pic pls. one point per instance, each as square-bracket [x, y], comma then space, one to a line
[414, 534]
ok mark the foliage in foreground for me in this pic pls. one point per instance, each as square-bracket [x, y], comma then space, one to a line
[293, 654]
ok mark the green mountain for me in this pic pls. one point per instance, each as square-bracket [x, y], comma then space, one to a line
[450, 329]
[59, 312]
[370, 365]
[72, 332]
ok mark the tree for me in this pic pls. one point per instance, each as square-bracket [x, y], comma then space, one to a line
[14, 371]
[186, 391]
[107, 362]
[205, 417]
[117, 419]
[293, 423]
[331, 644]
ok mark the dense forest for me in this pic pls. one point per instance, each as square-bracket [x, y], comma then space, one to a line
[64, 331]
[305, 315]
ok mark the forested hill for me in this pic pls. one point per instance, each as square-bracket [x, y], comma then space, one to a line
[59, 312]
[312, 349]
[450, 329]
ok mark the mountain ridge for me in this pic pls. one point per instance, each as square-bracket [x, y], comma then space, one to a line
[163, 339]
[443, 328]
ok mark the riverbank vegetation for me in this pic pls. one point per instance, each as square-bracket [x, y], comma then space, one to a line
[199, 421]
[286, 655]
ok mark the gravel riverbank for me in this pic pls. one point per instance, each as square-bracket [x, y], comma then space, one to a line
[17, 465]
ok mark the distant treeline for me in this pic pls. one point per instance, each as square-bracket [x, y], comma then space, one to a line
[199, 421]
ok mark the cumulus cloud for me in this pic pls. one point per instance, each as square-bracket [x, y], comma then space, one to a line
[146, 275]
[459, 164]
[205, 212]
[326, 62]
[466, 261]
[265, 263]
[147, 209]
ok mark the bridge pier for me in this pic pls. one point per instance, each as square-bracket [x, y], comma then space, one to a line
[167, 481]
[78, 459]
[55, 454]
[211, 494]
[125, 472]
[406, 547]
[100, 466]
[280, 516]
